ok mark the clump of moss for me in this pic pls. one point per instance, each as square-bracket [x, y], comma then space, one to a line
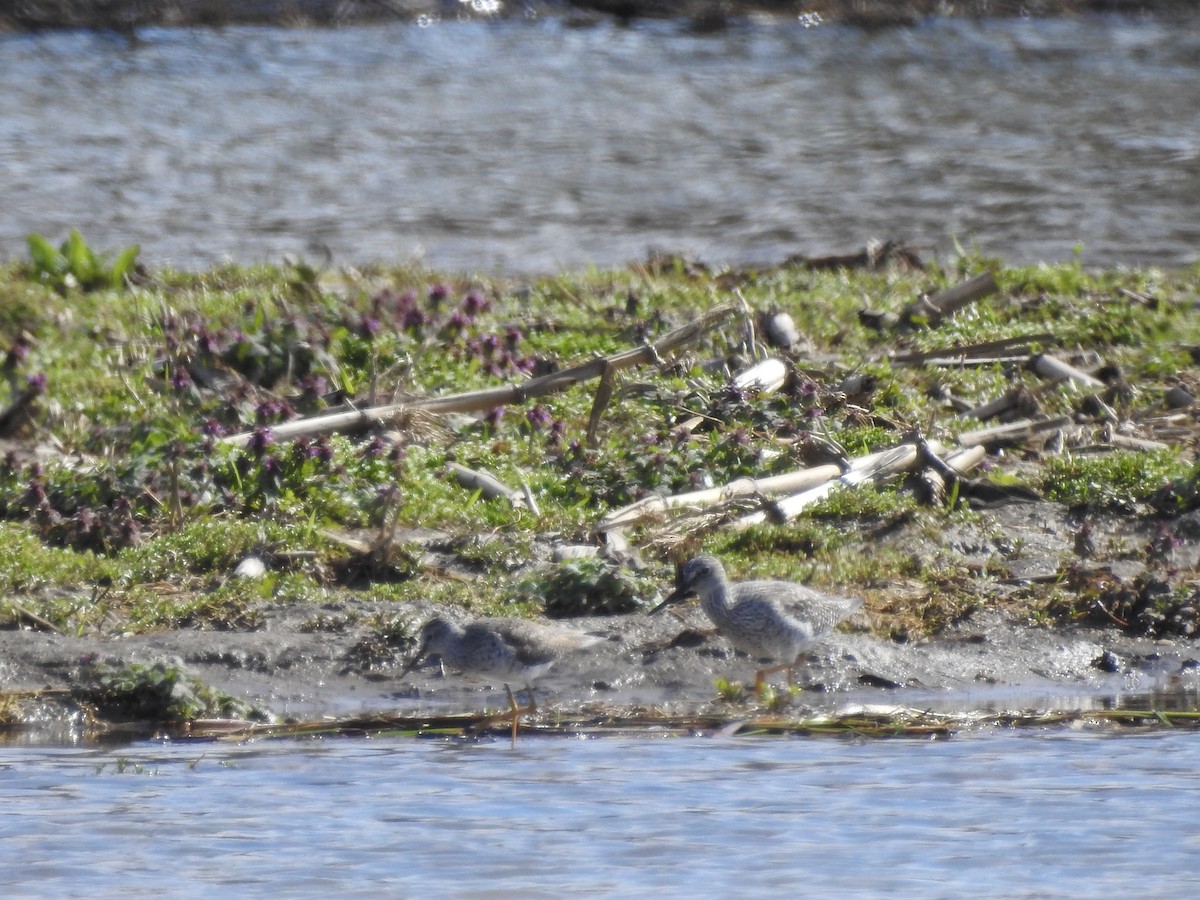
[587, 587]
[158, 692]
[1118, 481]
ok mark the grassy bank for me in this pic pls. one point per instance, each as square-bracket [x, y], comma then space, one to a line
[145, 455]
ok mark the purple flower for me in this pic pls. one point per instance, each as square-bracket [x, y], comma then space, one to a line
[457, 322]
[17, 353]
[512, 337]
[368, 327]
[302, 449]
[405, 303]
[414, 319]
[313, 386]
[35, 493]
[37, 383]
[260, 440]
[538, 417]
[386, 297]
[437, 295]
[268, 411]
[494, 417]
[212, 428]
[208, 341]
[322, 450]
[490, 343]
[475, 303]
[181, 379]
[374, 448]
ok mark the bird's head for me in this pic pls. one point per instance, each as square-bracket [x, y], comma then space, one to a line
[692, 577]
[434, 634]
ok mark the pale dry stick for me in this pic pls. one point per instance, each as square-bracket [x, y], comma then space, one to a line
[1012, 432]
[965, 459]
[1129, 442]
[967, 362]
[486, 483]
[863, 469]
[479, 401]
[656, 504]
[748, 322]
[530, 500]
[931, 310]
[1057, 370]
[1003, 349]
[764, 377]
[604, 392]
[33, 617]
[1010, 401]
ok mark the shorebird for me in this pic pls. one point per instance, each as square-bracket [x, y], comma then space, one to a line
[770, 620]
[498, 648]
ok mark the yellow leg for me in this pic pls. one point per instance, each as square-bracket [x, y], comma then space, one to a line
[761, 675]
[516, 711]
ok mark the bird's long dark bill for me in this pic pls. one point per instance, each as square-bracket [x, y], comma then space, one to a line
[412, 664]
[676, 596]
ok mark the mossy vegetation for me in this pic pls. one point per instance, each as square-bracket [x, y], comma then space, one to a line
[159, 692]
[125, 507]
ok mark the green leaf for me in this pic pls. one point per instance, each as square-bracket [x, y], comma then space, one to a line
[82, 261]
[47, 259]
[124, 265]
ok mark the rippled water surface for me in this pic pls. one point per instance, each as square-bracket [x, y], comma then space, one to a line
[999, 815]
[533, 146]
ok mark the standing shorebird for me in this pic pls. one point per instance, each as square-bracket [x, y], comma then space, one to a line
[770, 620]
[498, 648]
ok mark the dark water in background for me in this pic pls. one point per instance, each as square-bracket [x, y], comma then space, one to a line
[533, 147]
[999, 815]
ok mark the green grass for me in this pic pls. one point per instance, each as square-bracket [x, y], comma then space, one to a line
[137, 490]
[1115, 481]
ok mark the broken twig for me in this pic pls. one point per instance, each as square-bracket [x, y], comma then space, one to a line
[480, 401]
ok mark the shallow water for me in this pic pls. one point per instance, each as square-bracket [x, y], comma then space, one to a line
[532, 146]
[993, 815]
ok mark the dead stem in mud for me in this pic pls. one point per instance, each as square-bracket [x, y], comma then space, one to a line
[893, 724]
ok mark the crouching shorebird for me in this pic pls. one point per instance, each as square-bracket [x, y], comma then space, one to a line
[498, 648]
[772, 620]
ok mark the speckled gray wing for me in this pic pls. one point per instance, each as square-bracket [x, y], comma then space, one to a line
[779, 618]
[532, 647]
[821, 611]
